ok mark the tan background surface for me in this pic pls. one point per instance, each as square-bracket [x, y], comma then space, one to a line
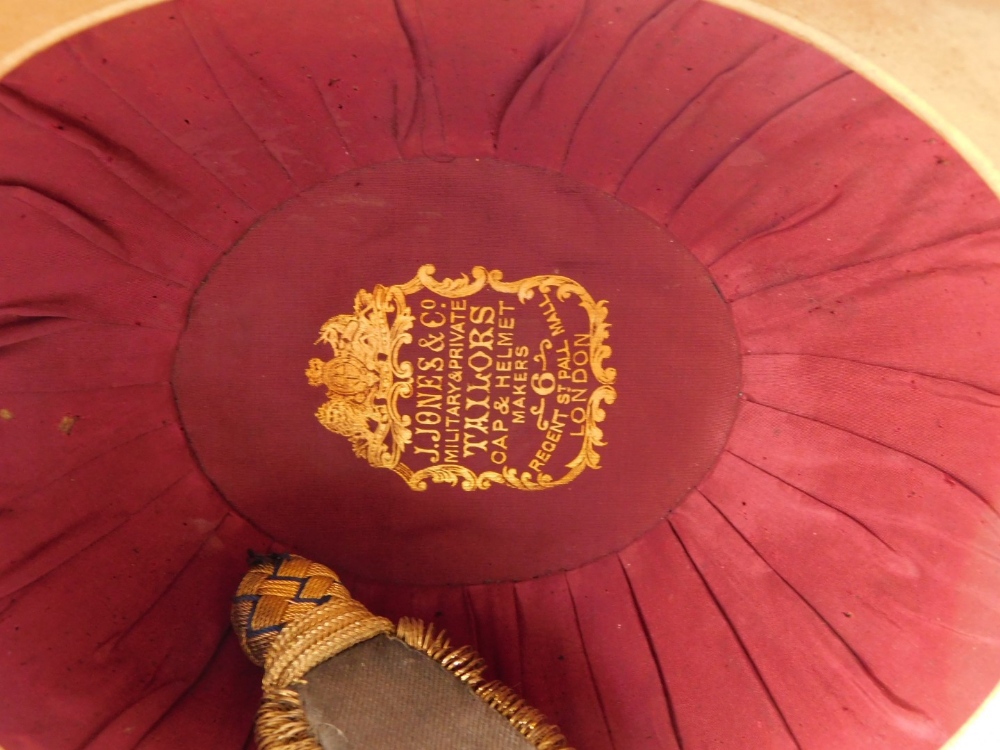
[939, 57]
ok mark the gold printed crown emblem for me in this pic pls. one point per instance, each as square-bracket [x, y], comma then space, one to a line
[365, 378]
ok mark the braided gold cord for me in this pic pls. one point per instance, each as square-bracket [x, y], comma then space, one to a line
[276, 591]
[317, 636]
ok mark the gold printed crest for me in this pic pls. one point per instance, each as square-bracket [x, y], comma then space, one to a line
[496, 389]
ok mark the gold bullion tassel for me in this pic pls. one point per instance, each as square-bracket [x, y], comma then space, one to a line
[291, 614]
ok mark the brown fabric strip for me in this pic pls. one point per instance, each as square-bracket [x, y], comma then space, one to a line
[384, 695]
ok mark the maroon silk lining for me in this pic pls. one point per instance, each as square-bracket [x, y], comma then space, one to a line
[832, 583]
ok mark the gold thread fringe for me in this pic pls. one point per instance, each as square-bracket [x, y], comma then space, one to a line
[282, 724]
[469, 667]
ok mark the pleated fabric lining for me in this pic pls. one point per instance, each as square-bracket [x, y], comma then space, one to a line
[832, 583]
